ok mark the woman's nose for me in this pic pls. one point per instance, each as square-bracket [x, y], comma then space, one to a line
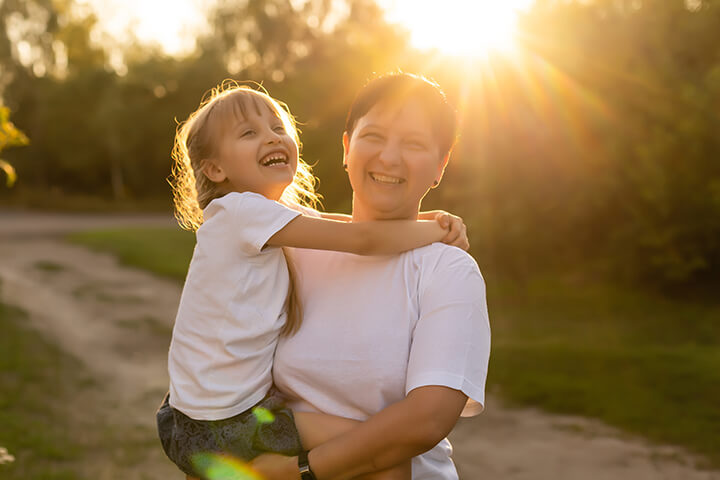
[390, 153]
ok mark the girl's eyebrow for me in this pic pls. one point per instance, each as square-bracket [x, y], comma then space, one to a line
[239, 123]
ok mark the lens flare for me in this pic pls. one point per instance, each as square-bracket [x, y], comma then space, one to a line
[221, 467]
[263, 415]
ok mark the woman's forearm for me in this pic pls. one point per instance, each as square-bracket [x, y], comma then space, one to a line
[395, 434]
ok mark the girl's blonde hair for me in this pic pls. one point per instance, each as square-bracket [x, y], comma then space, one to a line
[195, 142]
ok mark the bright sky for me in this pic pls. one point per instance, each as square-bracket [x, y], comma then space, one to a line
[170, 23]
[461, 27]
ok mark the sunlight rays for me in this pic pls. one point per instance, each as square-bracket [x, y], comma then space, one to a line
[456, 27]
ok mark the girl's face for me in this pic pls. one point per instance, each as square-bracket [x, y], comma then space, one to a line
[393, 160]
[255, 154]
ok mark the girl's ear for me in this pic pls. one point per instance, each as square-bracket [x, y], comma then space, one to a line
[213, 171]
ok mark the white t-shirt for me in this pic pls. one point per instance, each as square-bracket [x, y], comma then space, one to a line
[375, 328]
[231, 309]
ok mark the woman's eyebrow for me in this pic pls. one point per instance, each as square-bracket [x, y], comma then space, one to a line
[369, 126]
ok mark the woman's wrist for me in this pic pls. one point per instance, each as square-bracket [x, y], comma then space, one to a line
[306, 472]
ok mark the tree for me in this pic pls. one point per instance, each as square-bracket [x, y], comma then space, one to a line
[10, 136]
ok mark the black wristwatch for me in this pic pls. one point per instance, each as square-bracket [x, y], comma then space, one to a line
[306, 472]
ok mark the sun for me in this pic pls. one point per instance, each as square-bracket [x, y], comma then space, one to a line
[458, 27]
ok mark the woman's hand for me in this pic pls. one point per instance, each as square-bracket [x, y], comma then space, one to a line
[272, 466]
[457, 231]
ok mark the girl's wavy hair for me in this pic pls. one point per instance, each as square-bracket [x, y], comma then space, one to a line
[195, 142]
[196, 139]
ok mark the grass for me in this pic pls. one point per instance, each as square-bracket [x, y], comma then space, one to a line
[164, 251]
[48, 266]
[35, 376]
[643, 363]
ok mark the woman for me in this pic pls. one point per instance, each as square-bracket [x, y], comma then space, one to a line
[402, 342]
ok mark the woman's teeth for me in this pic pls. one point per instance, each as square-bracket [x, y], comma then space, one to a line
[385, 179]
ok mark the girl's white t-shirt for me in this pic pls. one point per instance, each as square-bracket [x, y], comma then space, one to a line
[231, 310]
[375, 328]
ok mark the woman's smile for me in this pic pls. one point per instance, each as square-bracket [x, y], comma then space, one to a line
[386, 179]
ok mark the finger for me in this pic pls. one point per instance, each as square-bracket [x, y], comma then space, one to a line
[457, 225]
[451, 237]
[443, 219]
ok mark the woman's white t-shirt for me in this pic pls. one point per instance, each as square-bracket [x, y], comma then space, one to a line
[375, 328]
[231, 309]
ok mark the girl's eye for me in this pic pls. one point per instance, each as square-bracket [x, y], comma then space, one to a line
[279, 129]
[245, 133]
[417, 145]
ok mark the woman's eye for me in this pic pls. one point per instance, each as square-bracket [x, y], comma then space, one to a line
[373, 136]
[246, 133]
[279, 129]
[416, 145]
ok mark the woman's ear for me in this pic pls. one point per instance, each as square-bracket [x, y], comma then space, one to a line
[213, 171]
[346, 147]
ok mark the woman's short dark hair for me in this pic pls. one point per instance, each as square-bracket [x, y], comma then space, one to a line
[399, 88]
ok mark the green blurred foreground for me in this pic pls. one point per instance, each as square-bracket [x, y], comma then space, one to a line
[645, 364]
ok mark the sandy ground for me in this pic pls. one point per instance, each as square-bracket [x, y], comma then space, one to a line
[117, 321]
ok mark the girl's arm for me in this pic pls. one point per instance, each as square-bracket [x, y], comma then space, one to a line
[341, 217]
[398, 432]
[363, 238]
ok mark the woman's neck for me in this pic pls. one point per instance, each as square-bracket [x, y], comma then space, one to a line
[360, 213]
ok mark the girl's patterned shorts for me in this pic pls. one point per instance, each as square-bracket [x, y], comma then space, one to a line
[244, 436]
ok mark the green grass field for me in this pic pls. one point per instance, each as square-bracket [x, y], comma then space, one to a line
[635, 360]
[35, 380]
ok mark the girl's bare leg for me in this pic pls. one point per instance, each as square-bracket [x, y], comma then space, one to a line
[317, 428]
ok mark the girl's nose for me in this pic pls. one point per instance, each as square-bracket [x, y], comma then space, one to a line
[272, 137]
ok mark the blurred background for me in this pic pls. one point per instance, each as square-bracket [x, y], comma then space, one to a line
[587, 170]
[590, 129]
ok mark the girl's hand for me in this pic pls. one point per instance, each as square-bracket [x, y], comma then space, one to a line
[457, 231]
[271, 466]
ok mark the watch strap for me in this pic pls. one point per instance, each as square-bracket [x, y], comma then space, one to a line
[306, 472]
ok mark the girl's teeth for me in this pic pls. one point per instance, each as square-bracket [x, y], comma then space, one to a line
[274, 159]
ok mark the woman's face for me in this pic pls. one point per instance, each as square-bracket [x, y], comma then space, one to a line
[392, 159]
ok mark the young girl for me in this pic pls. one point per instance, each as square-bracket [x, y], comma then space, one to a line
[239, 183]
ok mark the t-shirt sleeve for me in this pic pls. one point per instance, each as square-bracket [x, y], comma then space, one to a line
[254, 219]
[451, 340]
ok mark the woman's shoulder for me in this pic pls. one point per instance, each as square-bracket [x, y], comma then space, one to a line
[440, 255]
[443, 268]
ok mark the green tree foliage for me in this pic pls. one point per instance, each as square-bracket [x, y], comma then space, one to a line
[597, 145]
[10, 136]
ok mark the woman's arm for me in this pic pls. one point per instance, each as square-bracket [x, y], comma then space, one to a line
[400, 431]
[362, 238]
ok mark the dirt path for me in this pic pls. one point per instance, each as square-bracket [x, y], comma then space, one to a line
[117, 321]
